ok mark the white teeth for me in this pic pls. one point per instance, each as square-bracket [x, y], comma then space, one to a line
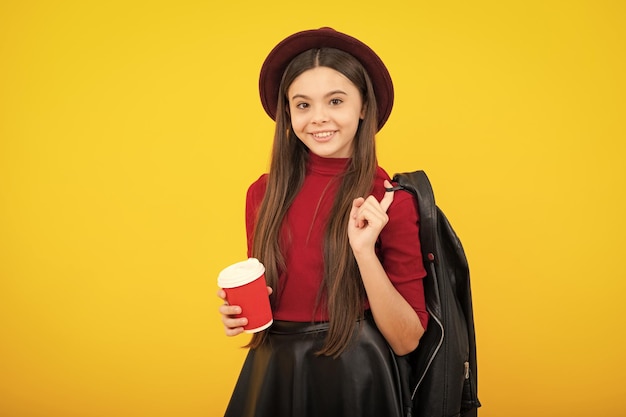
[322, 134]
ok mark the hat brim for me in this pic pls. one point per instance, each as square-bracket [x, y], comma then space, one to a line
[278, 59]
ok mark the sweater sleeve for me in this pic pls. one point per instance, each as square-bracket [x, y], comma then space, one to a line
[401, 253]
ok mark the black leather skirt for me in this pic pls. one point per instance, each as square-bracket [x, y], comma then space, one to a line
[285, 378]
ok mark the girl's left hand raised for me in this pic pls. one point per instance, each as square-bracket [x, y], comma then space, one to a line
[367, 218]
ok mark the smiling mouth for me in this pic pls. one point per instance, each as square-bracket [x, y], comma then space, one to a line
[323, 135]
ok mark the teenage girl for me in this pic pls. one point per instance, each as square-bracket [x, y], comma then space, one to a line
[342, 254]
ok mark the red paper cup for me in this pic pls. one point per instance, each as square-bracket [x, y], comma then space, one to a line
[244, 284]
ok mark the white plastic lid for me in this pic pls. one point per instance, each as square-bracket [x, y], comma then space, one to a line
[240, 273]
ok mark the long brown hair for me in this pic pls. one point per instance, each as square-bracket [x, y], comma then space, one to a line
[342, 283]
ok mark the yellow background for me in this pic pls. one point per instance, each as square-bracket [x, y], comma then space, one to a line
[129, 132]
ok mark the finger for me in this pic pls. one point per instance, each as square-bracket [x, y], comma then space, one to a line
[228, 310]
[233, 332]
[357, 203]
[232, 323]
[387, 198]
[371, 213]
[269, 290]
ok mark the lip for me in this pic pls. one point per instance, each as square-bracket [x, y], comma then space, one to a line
[326, 135]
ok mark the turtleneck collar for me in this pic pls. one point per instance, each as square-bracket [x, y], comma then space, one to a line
[327, 166]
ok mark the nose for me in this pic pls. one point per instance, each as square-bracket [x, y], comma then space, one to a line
[320, 115]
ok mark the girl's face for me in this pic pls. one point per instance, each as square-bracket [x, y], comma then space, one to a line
[325, 109]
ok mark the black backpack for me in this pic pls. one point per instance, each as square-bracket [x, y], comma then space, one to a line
[439, 379]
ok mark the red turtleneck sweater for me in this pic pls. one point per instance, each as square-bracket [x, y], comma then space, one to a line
[302, 238]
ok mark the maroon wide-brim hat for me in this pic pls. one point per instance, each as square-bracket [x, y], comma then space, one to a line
[282, 54]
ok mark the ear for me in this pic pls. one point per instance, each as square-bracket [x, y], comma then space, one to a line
[363, 110]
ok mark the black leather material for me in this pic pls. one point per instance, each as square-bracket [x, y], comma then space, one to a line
[285, 378]
[440, 377]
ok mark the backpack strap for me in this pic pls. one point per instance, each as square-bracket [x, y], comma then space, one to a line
[418, 184]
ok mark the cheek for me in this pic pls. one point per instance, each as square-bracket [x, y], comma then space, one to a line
[351, 119]
[298, 123]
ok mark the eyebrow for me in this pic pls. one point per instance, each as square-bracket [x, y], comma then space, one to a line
[332, 93]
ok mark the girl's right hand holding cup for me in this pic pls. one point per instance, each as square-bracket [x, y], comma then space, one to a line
[232, 325]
